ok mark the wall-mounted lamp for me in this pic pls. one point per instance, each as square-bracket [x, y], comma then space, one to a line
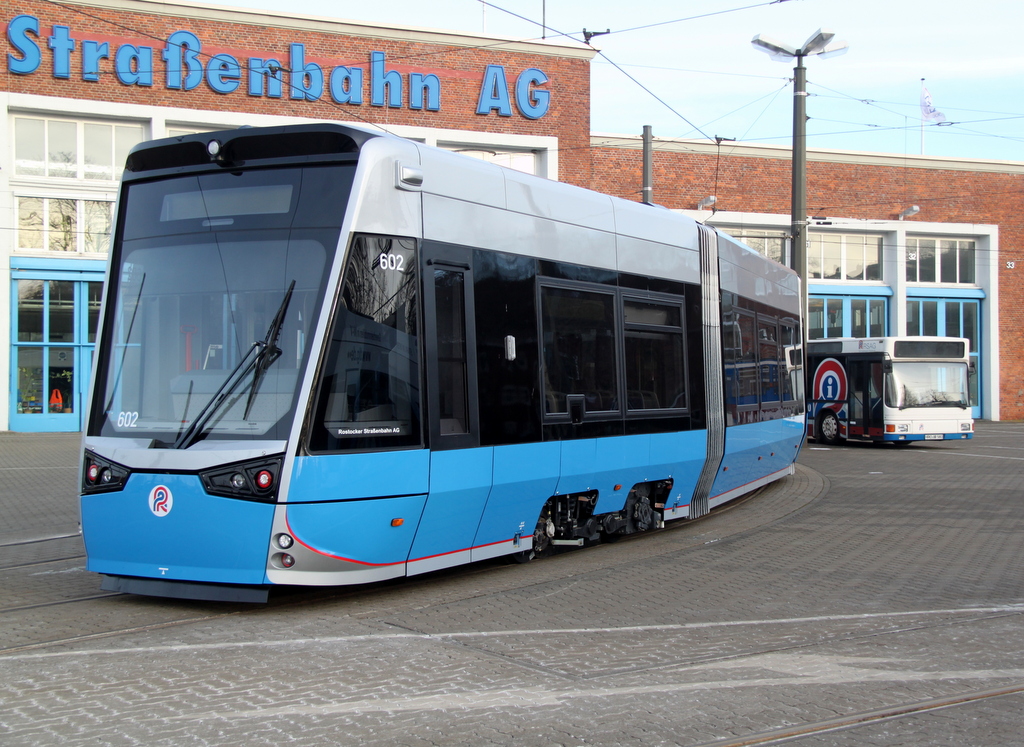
[707, 202]
[912, 210]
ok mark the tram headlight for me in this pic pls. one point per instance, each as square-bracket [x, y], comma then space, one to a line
[283, 560]
[255, 480]
[264, 479]
[284, 541]
[101, 475]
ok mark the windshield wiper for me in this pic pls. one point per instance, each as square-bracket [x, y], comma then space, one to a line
[269, 351]
[259, 357]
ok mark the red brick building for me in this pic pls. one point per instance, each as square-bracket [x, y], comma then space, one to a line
[82, 82]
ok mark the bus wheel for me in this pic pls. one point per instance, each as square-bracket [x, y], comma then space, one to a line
[828, 428]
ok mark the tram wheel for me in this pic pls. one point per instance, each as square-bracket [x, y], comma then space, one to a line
[542, 534]
[828, 428]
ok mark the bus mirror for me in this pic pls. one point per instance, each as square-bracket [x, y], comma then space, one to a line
[510, 348]
[887, 365]
[577, 407]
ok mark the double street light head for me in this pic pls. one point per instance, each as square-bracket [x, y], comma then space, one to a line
[819, 43]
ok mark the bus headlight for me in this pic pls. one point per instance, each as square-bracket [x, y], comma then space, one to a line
[967, 427]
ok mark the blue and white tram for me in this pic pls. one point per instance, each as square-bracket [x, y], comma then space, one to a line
[329, 356]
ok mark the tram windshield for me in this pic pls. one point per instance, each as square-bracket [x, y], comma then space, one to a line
[215, 287]
[927, 384]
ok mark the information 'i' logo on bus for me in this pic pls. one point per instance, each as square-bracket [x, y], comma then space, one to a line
[830, 381]
[160, 500]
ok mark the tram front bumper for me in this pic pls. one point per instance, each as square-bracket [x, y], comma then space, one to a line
[167, 527]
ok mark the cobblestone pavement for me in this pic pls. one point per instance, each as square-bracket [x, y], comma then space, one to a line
[876, 597]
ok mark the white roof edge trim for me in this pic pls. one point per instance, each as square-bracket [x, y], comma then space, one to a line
[338, 26]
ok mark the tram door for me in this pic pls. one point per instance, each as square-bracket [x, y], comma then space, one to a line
[460, 471]
[866, 416]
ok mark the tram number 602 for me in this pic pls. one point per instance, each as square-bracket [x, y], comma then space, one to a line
[388, 261]
[127, 419]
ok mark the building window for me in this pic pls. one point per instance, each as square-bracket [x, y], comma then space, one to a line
[844, 316]
[772, 244]
[72, 150]
[63, 225]
[949, 317]
[867, 317]
[940, 261]
[54, 327]
[833, 256]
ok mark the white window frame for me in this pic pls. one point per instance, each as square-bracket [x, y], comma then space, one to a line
[845, 256]
[79, 199]
[960, 243]
[81, 168]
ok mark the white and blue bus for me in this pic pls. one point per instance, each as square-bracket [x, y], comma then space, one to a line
[332, 356]
[895, 389]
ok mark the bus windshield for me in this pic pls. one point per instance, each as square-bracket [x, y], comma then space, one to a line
[927, 384]
[216, 282]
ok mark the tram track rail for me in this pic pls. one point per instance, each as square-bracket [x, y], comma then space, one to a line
[34, 563]
[867, 718]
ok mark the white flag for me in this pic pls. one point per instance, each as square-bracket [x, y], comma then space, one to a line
[928, 111]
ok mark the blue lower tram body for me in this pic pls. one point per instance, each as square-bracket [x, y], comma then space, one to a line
[367, 517]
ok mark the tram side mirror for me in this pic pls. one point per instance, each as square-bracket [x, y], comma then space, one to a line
[510, 348]
[577, 407]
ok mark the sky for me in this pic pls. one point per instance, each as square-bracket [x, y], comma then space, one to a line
[692, 73]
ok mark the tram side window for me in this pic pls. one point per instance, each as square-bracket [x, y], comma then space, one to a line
[746, 362]
[790, 362]
[732, 346]
[768, 355]
[655, 362]
[578, 349]
[369, 394]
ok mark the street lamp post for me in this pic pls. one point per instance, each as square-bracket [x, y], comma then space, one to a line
[818, 44]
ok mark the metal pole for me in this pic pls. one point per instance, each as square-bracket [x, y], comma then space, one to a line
[799, 195]
[647, 193]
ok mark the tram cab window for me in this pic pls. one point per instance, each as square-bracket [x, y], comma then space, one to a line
[369, 393]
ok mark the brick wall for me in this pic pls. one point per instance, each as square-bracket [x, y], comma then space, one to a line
[459, 68]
